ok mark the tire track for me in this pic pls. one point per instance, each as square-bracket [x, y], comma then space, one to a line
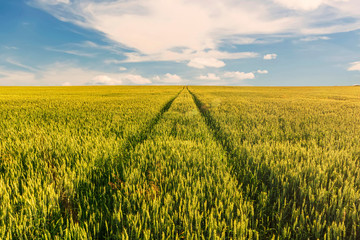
[141, 136]
[97, 188]
[262, 186]
[182, 161]
[244, 175]
[214, 126]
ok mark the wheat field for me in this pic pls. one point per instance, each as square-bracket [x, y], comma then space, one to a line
[177, 162]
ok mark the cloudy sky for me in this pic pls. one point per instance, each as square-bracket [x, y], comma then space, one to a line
[186, 42]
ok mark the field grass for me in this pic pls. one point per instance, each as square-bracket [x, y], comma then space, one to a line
[179, 163]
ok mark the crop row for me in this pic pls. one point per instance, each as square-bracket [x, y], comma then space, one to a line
[179, 163]
[178, 185]
[296, 152]
[56, 144]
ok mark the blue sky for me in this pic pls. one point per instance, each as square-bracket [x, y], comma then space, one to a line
[185, 42]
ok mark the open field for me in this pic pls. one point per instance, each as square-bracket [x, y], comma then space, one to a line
[179, 163]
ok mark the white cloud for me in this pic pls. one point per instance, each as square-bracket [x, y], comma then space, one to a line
[187, 55]
[17, 78]
[307, 5]
[115, 61]
[11, 47]
[104, 80]
[172, 22]
[195, 59]
[18, 64]
[238, 40]
[168, 78]
[62, 1]
[270, 56]
[206, 62]
[54, 2]
[59, 74]
[66, 84]
[209, 76]
[171, 78]
[314, 38]
[112, 61]
[354, 66]
[71, 52]
[112, 46]
[136, 79]
[243, 40]
[262, 71]
[119, 79]
[239, 75]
